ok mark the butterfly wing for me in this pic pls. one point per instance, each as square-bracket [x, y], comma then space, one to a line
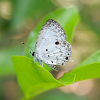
[52, 46]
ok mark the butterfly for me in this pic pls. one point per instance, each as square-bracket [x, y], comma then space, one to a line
[52, 46]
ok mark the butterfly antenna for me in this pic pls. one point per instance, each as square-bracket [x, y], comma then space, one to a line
[27, 46]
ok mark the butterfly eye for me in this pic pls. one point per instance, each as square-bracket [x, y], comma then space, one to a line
[52, 61]
[33, 54]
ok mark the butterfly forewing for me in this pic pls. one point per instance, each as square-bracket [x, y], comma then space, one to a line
[52, 46]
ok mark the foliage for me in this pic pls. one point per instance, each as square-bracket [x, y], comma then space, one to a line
[34, 79]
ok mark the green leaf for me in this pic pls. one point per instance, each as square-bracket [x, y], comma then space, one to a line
[88, 69]
[34, 79]
[67, 18]
[66, 77]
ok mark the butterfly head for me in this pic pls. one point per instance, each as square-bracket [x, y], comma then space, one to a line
[33, 53]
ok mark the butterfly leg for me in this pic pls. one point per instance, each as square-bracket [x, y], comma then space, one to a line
[54, 67]
[42, 64]
[34, 59]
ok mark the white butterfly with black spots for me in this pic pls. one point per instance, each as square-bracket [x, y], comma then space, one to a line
[52, 47]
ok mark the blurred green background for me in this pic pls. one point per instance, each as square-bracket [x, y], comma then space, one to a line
[19, 17]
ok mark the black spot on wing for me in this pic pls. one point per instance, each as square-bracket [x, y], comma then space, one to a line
[66, 58]
[64, 43]
[57, 43]
[46, 49]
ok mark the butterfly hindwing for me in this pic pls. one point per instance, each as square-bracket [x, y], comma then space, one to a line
[52, 46]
